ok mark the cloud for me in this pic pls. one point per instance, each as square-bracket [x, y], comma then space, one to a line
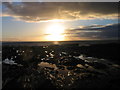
[10, 39]
[42, 11]
[110, 31]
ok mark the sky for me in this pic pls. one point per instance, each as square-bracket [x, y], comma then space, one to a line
[58, 21]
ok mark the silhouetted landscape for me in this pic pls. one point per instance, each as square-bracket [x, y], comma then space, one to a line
[60, 66]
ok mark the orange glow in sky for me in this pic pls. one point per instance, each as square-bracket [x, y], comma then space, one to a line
[55, 32]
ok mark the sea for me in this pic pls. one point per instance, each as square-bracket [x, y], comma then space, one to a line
[44, 43]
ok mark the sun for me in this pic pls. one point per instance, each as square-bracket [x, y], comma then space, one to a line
[55, 32]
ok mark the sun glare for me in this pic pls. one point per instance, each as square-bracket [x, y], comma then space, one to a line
[55, 32]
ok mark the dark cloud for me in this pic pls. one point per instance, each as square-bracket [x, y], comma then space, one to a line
[110, 31]
[34, 11]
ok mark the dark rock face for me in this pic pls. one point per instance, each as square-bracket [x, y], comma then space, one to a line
[98, 65]
[57, 67]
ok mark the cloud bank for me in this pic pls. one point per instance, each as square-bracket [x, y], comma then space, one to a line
[102, 32]
[42, 11]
